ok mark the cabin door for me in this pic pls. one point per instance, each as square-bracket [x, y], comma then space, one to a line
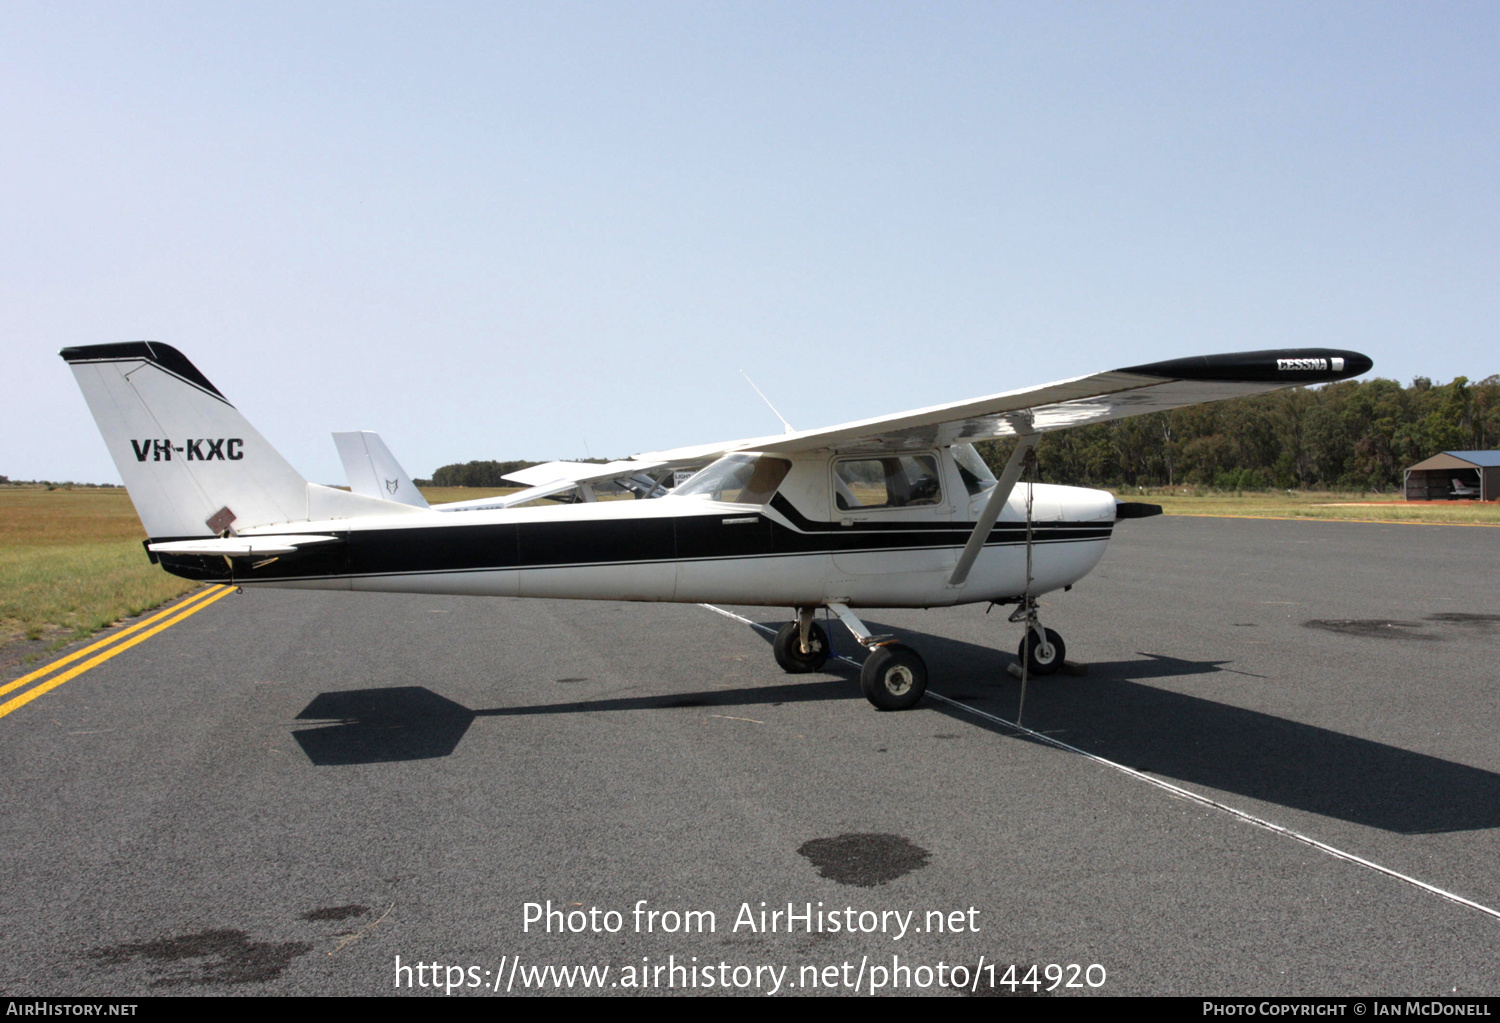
[893, 513]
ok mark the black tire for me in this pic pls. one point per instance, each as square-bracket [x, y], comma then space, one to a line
[788, 649]
[1038, 663]
[894, 677]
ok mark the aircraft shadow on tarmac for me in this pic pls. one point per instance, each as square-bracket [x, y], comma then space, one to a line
[372, 726]
[1111, 712]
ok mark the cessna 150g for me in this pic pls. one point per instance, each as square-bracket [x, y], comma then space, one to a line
[897, 511]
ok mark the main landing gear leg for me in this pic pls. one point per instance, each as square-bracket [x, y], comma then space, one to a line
[894, 676]
[801, 646]
[1042, 650]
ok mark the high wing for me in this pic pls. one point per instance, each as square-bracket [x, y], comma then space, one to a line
[1115, 394]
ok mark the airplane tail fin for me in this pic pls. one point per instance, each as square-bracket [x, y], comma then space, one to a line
[374, 471]
[193, 465]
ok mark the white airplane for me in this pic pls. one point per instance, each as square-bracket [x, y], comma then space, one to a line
[897, 511]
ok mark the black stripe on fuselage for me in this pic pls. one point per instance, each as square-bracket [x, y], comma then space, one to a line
[592, 543]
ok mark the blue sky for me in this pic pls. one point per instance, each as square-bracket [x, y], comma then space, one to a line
[547, 230]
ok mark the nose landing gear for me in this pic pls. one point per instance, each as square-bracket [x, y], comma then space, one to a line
[1042, 651]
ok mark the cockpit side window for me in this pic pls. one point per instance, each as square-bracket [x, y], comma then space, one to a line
[889, 481]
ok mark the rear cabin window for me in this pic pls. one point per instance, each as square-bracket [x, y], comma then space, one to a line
[738, 479]
[891, 481]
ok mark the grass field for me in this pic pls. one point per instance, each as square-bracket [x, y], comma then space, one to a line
[1315, 505]
[443, 495]
[71, 561]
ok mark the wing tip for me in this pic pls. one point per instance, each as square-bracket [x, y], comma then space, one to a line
[1288, 366]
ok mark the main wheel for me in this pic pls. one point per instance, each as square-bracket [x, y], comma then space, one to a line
[1042, 658]
[788, 649]
[894, 677]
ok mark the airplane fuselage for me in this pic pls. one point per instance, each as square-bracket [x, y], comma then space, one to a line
[799, 548]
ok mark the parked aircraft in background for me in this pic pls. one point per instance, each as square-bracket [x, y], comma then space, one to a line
[896, 511]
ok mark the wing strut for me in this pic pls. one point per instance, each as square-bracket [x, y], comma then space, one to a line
[992, 508]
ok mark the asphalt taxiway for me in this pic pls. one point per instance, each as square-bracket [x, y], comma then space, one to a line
[284, 792]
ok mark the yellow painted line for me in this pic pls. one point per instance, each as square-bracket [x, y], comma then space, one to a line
[106, 641]
[52, 683]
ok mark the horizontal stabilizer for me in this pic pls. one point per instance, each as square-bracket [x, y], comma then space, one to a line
[241, 546]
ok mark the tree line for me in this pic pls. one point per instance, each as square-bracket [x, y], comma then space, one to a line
[1354, 435]
[475, 474]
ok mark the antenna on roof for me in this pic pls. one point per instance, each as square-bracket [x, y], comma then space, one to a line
[784, 423]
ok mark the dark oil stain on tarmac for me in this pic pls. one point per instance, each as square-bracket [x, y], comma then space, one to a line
[1464, 618]
[570, 680]
[1380, 628]
[864, 860]
[221, 956]
[335, 912]
[1377, 628]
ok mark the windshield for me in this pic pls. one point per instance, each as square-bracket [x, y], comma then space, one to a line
[737, 479]
[976, 474]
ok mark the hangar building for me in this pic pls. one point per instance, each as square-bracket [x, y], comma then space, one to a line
[1455, 475]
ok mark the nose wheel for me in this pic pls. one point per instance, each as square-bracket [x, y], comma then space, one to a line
[1042, 651]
